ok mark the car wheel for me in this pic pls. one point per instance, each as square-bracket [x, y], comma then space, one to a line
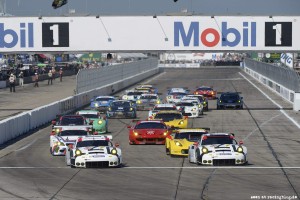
[72, 163]
[218, 107]
[167, 151]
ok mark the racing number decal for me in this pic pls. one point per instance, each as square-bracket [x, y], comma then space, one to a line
[55, 34]
[278, 34]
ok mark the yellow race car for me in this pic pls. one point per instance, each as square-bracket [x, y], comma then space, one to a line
[174, 119]
[178, 142]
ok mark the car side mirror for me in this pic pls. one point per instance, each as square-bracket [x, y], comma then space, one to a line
[117, 144]
[128, 126]
[241, 142]
[241, 97]
[53, 122]
[91, 122]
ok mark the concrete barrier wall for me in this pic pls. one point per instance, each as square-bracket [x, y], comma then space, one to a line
[13, 127]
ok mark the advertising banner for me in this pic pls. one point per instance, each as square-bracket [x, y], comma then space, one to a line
[150, 33]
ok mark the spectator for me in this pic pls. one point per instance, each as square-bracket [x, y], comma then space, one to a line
[21, 79]
[36, 80]
[50, 77]
[12, 83]
[60, 74]
[53, 73]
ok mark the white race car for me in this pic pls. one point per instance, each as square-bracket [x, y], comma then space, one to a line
[131, 95]
[159, 107]
[94, 152]
[218, 149]
[195, 101]
[188, 108]
[63, 136]
[147, 101]
[174, 95]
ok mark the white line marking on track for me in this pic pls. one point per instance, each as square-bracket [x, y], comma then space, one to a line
[261, 126]
[33, 167]
[26, 146]
[275, 103]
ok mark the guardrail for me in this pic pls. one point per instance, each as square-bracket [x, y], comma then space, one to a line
[13, 127]
[283, 80]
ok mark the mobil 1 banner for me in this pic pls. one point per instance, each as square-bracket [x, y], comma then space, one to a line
[55, 34]
[278, 34]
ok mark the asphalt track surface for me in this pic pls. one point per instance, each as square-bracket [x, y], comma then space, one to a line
[28, 171]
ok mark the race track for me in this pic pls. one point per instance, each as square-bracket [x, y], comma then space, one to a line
[28, 171]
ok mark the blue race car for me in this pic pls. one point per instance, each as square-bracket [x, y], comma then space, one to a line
[121, 109]
[230, 100]
[101, 103]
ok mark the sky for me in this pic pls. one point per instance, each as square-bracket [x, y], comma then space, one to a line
[154, 7]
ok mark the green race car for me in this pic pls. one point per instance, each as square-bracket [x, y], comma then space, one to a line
[94, 118]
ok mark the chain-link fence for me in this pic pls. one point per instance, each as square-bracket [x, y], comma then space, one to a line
[88, 79]
[282, 75]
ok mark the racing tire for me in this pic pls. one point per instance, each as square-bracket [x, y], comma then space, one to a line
[218, 108]
[197, 157]
[167, 151]
[72, 163]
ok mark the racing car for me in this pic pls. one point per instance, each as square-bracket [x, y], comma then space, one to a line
[218, 149]
[174, 95]
[148, 132]
[201, 98]
[121, 109]
[151, 89]
[132, 95]
[195, 101]
[173, 119]
[63, 136]
[188, 108]
[230, 100]
[94, 118]
[178, 143]
[69, 120]
[207, 92]
[147, 101]
[159, 107]
[95, 151]
[101, 103]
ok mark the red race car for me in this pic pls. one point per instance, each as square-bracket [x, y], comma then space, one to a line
[208, 92]
[148, 132]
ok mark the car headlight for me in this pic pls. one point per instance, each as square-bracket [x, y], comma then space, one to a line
[125, 97]
[239, 101]
[114, 152]
[204, 102]
[131, 109]
[60, 143]
[169, 97]
[204, 150]
[139, 102]
[100, 122]
[158, 102]
[181, 122]
[109, 108]
[165, 133]
[194, 109]
[57, 130]
[78, 152]
[240, 149]
[178, 143]
[96, 104]
[135, 133]
[220, 101]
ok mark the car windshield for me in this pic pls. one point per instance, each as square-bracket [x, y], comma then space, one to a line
[168, 116]
[190, 136]
[178, 93]
[104, 99]
[72, 121]
[73, 133]
[148, 97]
[185, 104]
[92, 143]
[205, 88]
[226, 97]
[134, 93]
[120, 104]
[165, 108]
[218, 140]
[150, 125]
[90, 115]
